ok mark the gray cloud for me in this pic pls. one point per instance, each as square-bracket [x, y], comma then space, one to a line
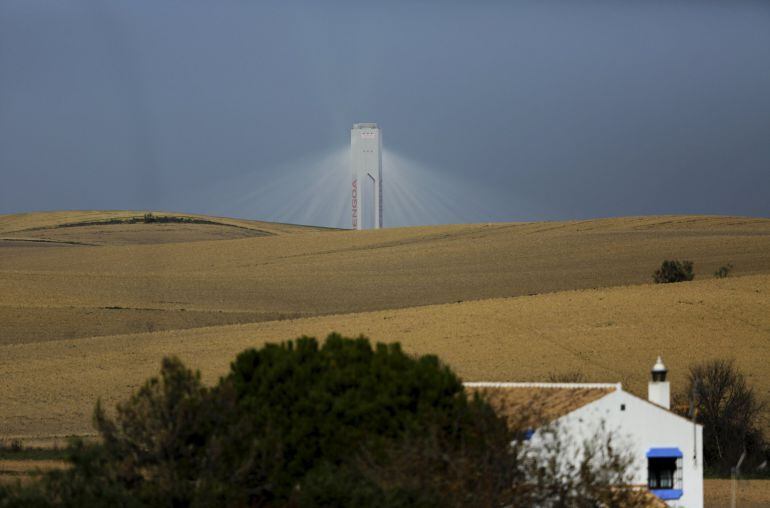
[491, 111]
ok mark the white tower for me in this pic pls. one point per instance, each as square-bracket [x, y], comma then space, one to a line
[659, 390]
[366, 163]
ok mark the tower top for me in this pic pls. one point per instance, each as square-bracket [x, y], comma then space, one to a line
[659, 370]
[365, 126]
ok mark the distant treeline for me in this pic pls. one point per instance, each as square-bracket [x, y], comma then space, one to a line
[147, 218]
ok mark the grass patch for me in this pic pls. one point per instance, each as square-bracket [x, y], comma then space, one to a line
[14, 451]
[716, 474]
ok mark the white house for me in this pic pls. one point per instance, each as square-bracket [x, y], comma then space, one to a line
[667, 449]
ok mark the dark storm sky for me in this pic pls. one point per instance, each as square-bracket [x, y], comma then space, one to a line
[521, 110]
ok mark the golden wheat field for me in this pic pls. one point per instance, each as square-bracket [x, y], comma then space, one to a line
[611, 334]
[289, 271]
[748, 493]
[91, 301]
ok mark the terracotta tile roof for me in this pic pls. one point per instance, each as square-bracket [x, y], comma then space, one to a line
[529, 405]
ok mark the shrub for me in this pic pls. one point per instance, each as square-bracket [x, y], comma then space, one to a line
[730, 413]
[723, 271]
[674, 271]
[484, 469]
[12, 446]
[162, 434]
[572, 376]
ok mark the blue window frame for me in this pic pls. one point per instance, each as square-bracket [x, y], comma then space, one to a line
[664, 452]
[664, 472]
[668, 494]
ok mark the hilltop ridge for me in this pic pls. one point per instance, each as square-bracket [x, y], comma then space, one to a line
[120, 227]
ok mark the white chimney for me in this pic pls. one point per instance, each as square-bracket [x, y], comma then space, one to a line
[659, 390]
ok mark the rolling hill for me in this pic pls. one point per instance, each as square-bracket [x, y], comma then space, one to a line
[510, 301]
[128, 227]
[609, 335]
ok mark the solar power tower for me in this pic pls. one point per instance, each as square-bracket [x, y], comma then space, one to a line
[366, 164]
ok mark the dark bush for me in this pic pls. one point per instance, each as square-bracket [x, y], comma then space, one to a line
[723, 271]
[571, 376]
[162, 433]
[12, 446]
[674, 271]
[730, 413]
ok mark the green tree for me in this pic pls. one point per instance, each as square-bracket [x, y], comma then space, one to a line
[158, 441]
[674, 271]
[321, 402]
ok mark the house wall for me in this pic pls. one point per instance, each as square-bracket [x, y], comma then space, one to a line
[641, 426]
